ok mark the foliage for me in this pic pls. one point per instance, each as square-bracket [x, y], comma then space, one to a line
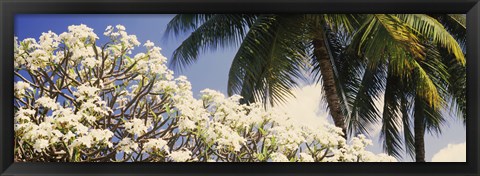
[79, 102]
[402, 61]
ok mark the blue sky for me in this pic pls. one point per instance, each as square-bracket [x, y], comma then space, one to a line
[211, 70]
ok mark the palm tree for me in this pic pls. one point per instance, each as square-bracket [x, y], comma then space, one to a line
[267, 61]
[415, 90]
[382, 50]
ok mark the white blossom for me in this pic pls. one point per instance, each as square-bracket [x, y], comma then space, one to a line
[24, 115]
[21, 87]
[101, 135]
[49, 41]
[180, 156]
[279, 157]
[186, 124]
[46, 102]
[136, 126]
[156, 144]
[86, 141]
[87, 91]
[120, 27]
[305, 157]
[149, 44]
[127, 145]
[40, 145]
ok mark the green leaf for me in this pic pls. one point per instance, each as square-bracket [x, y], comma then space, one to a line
[167, 108]
[262, 131]
[154, 115]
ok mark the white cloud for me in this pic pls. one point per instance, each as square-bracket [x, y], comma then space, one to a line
[307, 105]
[452, 153]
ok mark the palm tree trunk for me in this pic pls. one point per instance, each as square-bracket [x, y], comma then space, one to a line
[419, 129]
[329, 85]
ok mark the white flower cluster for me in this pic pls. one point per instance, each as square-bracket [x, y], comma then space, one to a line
[181, 155]
[137, 126]
[21, 88]
[154, 145]
[84, 103]
[121, 39]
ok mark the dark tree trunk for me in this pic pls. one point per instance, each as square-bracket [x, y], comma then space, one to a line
[419, 129]
[329, 85]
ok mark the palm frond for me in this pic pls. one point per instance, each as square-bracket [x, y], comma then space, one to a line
[461, 19]
[407, 121]
[384, 36]
[426, 87]
[401, 34]
[438, 72]
[365, 112]
[219, 31]
[456, 25]
[432, 78]
[336, 22]
[268, 60]
[183, 23]
[433, 30]
[457, 89]
[387, 39]
[390, 132]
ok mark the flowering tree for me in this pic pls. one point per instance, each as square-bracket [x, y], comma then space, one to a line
[79, 102]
